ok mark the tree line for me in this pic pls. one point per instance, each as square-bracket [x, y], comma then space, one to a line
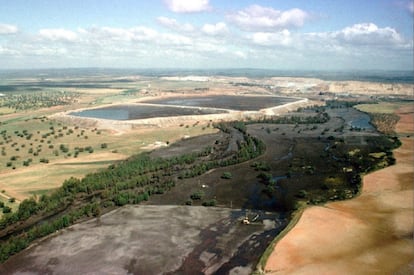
[36, 99]
[319, 118]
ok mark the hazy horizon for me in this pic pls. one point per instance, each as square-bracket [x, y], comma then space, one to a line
[392, 76]
[277, 35]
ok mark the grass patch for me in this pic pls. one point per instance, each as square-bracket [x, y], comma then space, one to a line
[332, 181]
[378, 155]
[383, 107]
[6, 201]
[6, 110]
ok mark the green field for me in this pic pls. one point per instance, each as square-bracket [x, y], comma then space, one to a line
[383, 107]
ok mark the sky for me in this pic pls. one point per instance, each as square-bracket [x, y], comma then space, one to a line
[328, 35]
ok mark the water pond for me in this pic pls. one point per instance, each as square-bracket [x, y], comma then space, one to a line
[362, 122]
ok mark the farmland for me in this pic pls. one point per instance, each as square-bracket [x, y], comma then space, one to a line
[38, 153]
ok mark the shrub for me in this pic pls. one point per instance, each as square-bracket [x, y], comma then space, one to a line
[302, 194]
[265, 176]
[226, 175]
[197, 195]
[212, 202]
[6, 210]
[261, 166]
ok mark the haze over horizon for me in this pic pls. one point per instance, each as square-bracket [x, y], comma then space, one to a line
[280, 35]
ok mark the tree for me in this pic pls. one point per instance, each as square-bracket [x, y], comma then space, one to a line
[27, 208]
[6, 209]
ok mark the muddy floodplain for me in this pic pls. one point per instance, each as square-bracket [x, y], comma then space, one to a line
[166, 237]
[151, 240]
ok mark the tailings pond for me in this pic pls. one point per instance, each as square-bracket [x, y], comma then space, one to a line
[184, 106]
[138, 111]
[239, 103]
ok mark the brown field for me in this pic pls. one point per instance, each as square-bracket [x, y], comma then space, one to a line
[371, 234]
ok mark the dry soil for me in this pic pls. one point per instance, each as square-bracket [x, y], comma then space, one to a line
[371, 234]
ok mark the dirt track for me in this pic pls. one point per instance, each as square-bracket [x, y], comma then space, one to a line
[371, 234]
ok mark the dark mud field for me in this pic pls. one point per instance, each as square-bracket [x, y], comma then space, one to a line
[152, 240]
[131, 112]
[240, 103]
[165, 236]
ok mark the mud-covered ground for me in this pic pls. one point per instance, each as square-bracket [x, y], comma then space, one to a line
[288, 147]
[152, 240]
[241, 103]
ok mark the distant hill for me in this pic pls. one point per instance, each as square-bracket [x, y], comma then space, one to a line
[403, 76]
